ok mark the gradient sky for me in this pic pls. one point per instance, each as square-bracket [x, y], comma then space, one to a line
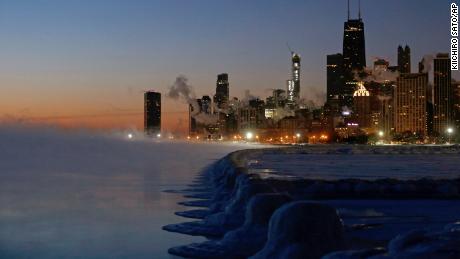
[86, 63]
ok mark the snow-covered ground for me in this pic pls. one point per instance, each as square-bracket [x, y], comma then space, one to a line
[87, 195]
[360, 162]
[254, 199]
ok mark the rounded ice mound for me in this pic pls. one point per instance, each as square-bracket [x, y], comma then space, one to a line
[357, 254]
[303, 230]
[252, 236]
[423, 244]
[262, 206]
[244, 241]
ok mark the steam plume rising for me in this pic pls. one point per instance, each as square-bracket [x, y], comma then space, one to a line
[378, 76]
[181, 90]
[427, 62]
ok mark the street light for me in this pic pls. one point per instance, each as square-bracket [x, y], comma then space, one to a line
[450, 131]
[249, 135]
[381, 133]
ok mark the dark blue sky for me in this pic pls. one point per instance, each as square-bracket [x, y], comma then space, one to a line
[99, 53]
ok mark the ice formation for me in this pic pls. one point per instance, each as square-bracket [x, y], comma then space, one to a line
[237, 190]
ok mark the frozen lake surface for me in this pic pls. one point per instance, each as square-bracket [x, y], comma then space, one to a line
[366, 162]
[80, 195]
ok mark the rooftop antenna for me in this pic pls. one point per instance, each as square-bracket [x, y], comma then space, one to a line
[348, 9]
[359, 9]
[289, 47]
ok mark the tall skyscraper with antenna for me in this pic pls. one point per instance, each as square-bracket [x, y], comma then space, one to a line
[354, 52]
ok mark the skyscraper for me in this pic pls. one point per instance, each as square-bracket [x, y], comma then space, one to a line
[362, 106]
[152, 113]
[206, 104]
[404, 59]
[221, 102]
[354, 53]
[293, 85]
[456, 104]
[442, 94]
[279, 97]
[194, 109]
[222, 91]
[334, 76]
[409, 99]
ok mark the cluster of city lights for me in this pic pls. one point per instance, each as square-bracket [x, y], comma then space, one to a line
[250, 136]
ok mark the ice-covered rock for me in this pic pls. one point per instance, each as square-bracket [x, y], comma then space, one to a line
[423, 244]
[230, 188]
[303, 230]
[444, 244]
[356, 254]
[233, 214]
[244, 241]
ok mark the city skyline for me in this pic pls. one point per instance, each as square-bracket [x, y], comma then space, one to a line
[104, 77]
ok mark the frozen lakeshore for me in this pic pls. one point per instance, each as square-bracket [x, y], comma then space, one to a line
[276, 203]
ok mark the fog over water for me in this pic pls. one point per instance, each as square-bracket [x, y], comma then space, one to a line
[86, 195]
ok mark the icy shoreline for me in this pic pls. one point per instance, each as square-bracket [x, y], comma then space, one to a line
[239, 199]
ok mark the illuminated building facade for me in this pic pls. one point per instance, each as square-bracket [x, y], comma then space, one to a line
[409, 101]
[152, 113]
[293, 85]
[362, 106]
[456, 102]
[442, 94]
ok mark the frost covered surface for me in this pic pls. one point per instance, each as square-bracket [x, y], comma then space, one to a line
[359, 162]
[375, 206]
[413, 244]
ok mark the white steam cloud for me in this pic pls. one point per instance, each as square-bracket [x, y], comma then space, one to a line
[378, 76]
[181, 90]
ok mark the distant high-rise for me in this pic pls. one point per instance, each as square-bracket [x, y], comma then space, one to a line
[334, 76]
[404, 59]
[354, 51]
[409, 99]
[421, 66]
[222, 91]
[456, 104]
[279, 97]
[293, 89]
[354, 54]
[152, 113]
[362, 106]
[194, 109]
[442, 94]
[206, 104]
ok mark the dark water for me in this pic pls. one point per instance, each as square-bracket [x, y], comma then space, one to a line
[86, 197]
